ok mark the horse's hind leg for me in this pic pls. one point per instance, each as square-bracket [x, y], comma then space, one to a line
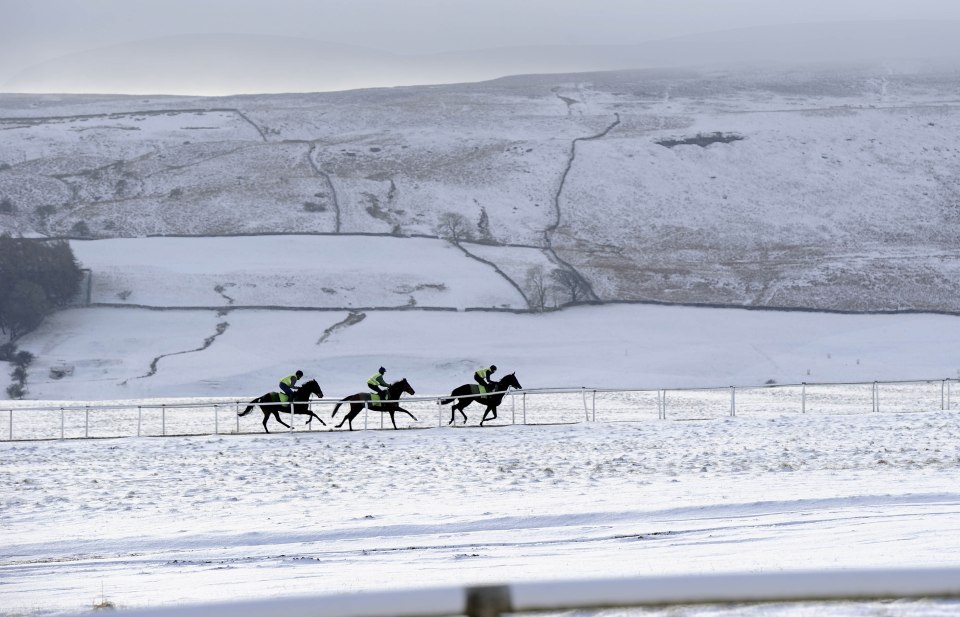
[349, 417]
[458, 406]
[276, 415]
[312, 416]
[461, 406]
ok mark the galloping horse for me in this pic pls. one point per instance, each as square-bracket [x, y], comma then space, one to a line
[492, 400]
[270, 405]
[361, 400]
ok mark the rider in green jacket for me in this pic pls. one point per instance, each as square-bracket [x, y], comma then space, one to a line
[377, 383]
[482, 377]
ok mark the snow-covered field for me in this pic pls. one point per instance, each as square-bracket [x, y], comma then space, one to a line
[161, 521]
[291, 271]
[121, 353]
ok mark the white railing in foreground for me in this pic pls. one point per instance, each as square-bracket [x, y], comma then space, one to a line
[26, 420]
[493, 601]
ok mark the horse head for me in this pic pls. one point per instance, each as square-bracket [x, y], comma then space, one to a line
[399, 387]
[311, 387]
[509, 381]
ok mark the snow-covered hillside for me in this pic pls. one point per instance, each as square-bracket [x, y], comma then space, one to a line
[825, 188]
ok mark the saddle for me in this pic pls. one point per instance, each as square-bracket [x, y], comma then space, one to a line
[279, 397]
[476, 388]
[374, 399]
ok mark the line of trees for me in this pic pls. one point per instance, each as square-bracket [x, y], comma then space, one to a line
[36, 277]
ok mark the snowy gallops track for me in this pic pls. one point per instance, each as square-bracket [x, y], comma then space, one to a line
[27, 420]
[359, 521]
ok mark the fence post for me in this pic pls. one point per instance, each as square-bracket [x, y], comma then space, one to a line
[139, 418]
[163, 419]
[733, 400]
[662, 397]
[803, 398]
[11, 425]
[61, 423]
[876, 397]
[216, 419]
[594, 405]
[586, 412]
[86, 421]
[366, 409]
[948, 394]
[513, 408]
[524, 408]
[439, 414]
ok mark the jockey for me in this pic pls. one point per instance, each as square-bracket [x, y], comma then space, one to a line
[377, 383]
[482, 376]
[288, 383]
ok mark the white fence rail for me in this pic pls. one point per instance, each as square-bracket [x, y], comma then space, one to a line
[31, 420]
[493, 601]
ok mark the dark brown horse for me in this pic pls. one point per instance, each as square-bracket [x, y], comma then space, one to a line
[491, 400]
[270, 404]
[361, 400]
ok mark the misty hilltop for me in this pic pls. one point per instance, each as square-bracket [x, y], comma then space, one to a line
[217, 64]
[815, 187]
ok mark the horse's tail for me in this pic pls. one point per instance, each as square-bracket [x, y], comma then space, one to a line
[447, 401]
[247, 410]
[335, 408]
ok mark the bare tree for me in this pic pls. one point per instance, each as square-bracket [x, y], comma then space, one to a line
[454, 227]
[537, 288]
[570, 282]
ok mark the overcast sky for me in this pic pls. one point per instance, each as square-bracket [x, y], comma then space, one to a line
[33, 31]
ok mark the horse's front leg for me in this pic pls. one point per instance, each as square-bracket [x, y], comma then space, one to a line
[406, 412]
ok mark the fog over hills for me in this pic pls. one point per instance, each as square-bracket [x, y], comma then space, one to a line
[231, 63]
[811, 187]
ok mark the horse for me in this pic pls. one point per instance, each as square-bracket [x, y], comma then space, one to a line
[362, 399]
[492, 400]
[269, 404]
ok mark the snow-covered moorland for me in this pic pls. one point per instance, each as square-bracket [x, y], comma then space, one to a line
[815, 187]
